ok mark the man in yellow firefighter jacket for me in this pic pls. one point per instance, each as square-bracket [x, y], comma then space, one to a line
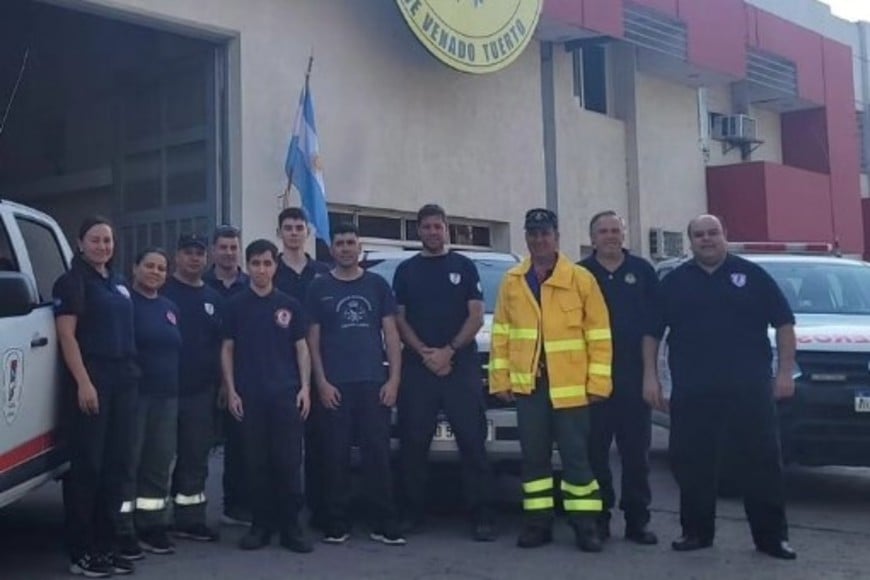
[551, 351]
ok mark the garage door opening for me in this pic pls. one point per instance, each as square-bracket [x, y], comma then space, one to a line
[112, 118]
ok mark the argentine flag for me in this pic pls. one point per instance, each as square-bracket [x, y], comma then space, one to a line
[303, 168]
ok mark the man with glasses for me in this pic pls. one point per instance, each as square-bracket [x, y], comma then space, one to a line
[227, 277]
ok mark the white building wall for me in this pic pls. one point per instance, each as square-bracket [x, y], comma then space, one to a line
[397, 128]
[672, 171]
[590, 160]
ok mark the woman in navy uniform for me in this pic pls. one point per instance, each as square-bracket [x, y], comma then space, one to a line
[158, 346]
[94, 317]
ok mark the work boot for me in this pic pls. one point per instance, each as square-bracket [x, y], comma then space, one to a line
[586, 535]
[535, 536]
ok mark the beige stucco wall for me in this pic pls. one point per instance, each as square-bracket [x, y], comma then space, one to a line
[397, 128]
[590, 160]
[672, 171]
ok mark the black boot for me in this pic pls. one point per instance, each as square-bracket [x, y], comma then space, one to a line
[535, 536]
[586, 535]
[255, 539]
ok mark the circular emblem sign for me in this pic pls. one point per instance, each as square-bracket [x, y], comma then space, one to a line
[474, 36]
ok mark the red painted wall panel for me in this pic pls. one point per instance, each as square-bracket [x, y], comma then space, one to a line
[798, 44]
[669, 7]
[763, 201]
[717, 34]
[566, 12]
[843, 145]
[605, 16]
[805, 140]
[735, 193]
[798, 205]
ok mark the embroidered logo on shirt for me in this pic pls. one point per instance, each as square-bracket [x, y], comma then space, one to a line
[630, 278]
[170, 316]
[282, 317]
[209, 308]
[738, 279]
[455, 278]
[122, 290]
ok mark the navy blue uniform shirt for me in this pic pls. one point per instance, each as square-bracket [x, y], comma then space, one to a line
[296, 284]
[435, 290]
[631, 296]
[158, 344]
[104, 309]
[350, 314]
[242, 282]
[199, 321]
[718, 324]
[264, 330]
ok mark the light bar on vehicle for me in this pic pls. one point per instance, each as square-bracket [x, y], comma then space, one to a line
[782, 247]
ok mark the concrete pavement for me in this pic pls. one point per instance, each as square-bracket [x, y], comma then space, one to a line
[829, 511]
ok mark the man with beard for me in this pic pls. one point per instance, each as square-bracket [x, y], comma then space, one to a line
[352, 317]
[440, 311]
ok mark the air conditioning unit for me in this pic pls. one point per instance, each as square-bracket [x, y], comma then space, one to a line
[735, 129]
[665, 244]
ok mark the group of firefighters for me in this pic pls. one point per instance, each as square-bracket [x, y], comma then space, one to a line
[296, 350]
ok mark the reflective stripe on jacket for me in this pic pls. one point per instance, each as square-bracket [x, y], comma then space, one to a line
[572, 325]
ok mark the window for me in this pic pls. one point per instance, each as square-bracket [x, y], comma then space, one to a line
[46, 257]
[590, 77]
[405, 229]
[8, 262]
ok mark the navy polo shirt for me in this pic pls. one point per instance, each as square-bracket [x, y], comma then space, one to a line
[294, 284]
[718, 324]
[435, 291]
[158, 344]
[199, 321]
[103, 307]
[630, 293]
[242, 282]
[264, 330]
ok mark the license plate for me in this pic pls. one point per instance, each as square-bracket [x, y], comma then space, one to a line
[443, 432]
[862, 403]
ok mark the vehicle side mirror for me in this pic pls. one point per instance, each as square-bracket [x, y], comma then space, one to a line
[19, 296]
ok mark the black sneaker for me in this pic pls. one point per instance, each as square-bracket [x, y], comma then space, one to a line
[156, 541]
[196, 532]
[255, 539]
[336, 534]
[90, 567]
[388, 535]
[129, 548]
[116, 564]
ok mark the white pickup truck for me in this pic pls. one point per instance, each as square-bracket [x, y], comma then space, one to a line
[33, 254]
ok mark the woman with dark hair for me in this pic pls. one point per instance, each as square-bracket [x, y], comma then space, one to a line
[94, 318]
[158, 344]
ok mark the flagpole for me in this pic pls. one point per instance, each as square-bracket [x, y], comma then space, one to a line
[285, 198]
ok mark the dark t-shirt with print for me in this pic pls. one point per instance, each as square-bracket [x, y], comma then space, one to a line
[350, 314]
[264, 331]
[435, 291]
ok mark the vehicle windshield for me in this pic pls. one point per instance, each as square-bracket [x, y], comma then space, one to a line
[822, 288]
[491, 274]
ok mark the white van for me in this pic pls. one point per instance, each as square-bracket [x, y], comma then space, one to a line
[33, 254]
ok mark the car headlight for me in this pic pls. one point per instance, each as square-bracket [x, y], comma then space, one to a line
[774, 365]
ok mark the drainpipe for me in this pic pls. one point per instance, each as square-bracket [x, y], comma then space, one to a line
[548, 111]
